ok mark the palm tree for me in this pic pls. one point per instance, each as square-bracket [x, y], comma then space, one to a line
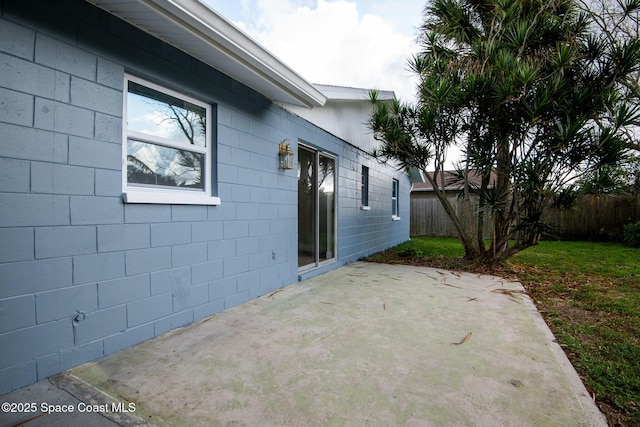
[535, 96]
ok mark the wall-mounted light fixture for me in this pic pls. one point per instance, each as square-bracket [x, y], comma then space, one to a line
[286, 155]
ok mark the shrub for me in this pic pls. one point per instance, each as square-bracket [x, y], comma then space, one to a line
[631, 234]
[410, 252]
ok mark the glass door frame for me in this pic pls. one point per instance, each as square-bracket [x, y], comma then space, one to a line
[316, 214]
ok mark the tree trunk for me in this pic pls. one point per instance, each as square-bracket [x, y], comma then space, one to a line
[484, 186]
[503, 208]
[469, 249]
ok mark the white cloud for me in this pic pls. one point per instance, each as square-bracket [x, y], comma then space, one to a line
[334, 43]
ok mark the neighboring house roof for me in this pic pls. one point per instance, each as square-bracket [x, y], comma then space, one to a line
[450, 180]
[196, 29]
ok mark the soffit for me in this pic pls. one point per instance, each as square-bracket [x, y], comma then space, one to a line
[194, 28]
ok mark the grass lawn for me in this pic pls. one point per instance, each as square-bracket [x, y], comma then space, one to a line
[589, 295]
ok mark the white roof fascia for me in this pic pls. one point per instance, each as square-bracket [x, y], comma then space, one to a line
[341, 93]
[196, 29]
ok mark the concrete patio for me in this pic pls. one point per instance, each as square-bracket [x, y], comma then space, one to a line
[364, 345]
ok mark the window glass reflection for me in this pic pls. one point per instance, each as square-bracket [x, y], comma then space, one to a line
[158, 114]
[153, 164]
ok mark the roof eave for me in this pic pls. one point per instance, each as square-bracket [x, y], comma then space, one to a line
[199, 31]
[343, 93]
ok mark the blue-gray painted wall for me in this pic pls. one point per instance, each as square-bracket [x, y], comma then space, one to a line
[82, 274]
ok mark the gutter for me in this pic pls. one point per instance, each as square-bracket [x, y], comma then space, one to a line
[247, 61]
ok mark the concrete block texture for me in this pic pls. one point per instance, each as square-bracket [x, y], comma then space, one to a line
[82, 273]
[64, 57]
[34, 144]
[109, 73]
[16, 244]
[65, 303]
[236, 299]
[188, 213]
[208, 309]
[221, 249]
[97, 267]
[20, 210]
[148, 260]
[249, 280]
[30, 341]
[61, 179]
[189, 297]
[16, 107]
[53, 242]
[18, 375]
[80, 354]
[236, 265]
[174, 321]
[94, 96]
[236, 229]
[192, 253]
[147, 214]
[149, 309]
[27, 77]
[166, 280]
[205, 231]
[17, 40]
[123, 237]
[206, 272]
[108, 128]
[247, 246]
[96, 210]
[170, 233]
[94, 153]
[23, 278]
[128, 338]
[17, 313]
[220, 289]
[68, 358]
[108, 183]
[63, 118]
[99, 324]
[123, 290]
[14, 176]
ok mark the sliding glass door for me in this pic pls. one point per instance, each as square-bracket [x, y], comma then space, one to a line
[316, 207]
[307, 206]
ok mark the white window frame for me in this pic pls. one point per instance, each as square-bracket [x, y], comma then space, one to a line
[364, 188]
[166, 195]
[395, 200]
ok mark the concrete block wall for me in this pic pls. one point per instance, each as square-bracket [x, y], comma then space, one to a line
[361, 232]
[83, 274]
[364, 230]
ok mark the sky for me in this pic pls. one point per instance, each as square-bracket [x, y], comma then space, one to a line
[354, 43]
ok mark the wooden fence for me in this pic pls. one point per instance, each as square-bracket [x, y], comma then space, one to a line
[428, 217]
[600, 218]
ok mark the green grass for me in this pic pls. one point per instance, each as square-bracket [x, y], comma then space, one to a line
[588, 293]
[433, 247]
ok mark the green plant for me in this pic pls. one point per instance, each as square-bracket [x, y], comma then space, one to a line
[631, 234]
[533, 93]
[410, 252]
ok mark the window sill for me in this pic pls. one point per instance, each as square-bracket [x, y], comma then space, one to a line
[395, 218]
[365, 208]
[167, 198]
